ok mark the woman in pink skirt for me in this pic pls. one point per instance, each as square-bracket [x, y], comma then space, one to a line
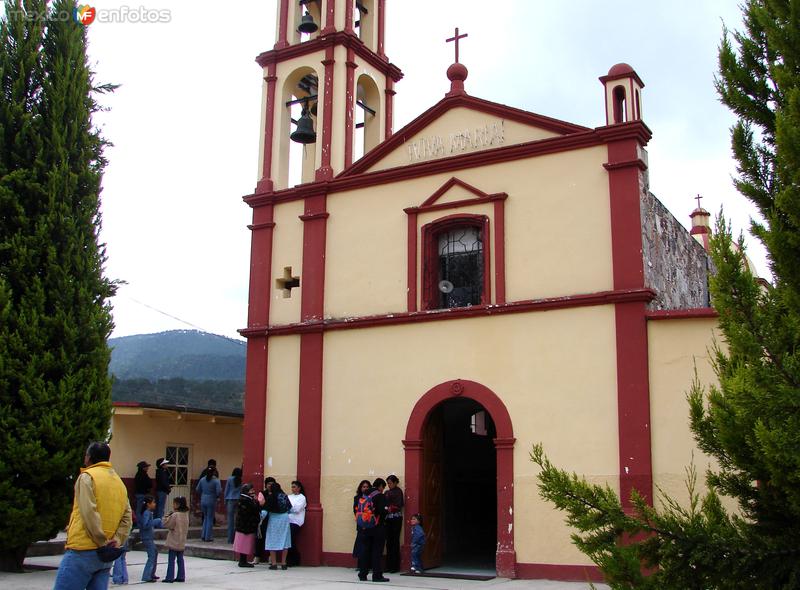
[247, 518]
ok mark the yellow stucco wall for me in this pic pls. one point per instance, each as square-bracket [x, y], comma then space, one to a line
[554, 371]
[675, 348]
[283, 384]
[458, 131]
[136, 438]
[287, 251]
[558, 238]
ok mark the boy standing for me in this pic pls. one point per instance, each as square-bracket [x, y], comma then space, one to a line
[417, 543]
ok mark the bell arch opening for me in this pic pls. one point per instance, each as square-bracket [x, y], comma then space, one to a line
[367, 119]
[299, 97]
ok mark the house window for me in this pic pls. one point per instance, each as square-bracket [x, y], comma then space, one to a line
[455, 263]
[178, 458]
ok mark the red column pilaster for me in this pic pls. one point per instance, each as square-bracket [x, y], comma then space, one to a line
[381, 27]
[349, 7]
[283, 25]
[506, 559]
[411, 265]
[325, 172]
[309, 427]
[633, 390]
[390, 92]
[500, 251]
[349, 107]
[265, 183]
[413, 476]
[254, 430]
[330, 18]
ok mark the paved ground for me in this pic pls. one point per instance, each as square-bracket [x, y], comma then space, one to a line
[211, 574]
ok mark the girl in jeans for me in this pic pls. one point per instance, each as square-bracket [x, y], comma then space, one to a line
[146, 526]
[178, 524]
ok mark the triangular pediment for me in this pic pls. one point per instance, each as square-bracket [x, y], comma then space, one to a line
[460, 125]
[456, 193]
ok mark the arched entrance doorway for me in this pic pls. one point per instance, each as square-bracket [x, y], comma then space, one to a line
[457, 493]
[445, 426]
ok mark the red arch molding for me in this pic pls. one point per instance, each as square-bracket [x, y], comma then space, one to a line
[504, 447]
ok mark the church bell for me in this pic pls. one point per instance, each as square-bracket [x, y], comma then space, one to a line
[305, 129]
[307, 24]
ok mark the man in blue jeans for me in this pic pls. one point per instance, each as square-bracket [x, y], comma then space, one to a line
[101, 518]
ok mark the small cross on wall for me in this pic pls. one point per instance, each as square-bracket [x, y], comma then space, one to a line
[287, 282]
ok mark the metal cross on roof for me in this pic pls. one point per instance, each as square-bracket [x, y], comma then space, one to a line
[456, 38]
[697, 198]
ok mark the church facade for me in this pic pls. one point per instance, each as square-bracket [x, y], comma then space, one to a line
[431, 302]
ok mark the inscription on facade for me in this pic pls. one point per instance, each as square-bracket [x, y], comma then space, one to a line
[467, 140]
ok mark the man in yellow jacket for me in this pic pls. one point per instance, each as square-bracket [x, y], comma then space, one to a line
[101, 519]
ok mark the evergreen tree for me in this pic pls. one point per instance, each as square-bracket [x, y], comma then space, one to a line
[750, 422]
[54, 318]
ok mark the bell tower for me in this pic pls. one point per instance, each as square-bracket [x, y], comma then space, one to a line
[328, 90]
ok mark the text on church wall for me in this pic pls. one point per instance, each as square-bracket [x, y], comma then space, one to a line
[474, 138]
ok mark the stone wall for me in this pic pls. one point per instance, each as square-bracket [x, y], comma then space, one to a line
[675, 265]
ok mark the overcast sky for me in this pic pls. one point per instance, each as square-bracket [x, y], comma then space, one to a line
[185, 121]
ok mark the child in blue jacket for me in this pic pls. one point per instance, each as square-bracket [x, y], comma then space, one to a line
[417, 543]
[147, 525]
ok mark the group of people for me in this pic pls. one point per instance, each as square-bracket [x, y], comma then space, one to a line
[378, 513]
[268, 524]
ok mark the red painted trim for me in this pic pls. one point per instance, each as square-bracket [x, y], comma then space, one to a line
[313, 275]
[635, 163]
[255, 392]
[340, 38]
[325, 171]
[283, 26]
[504, 445]
[427, 203]
[626, 234]
[350, 98]
[331, 559]
[430, 261]
[255, 418]
[629, 75]
[381, 27]
[633, 403]
[127, 404]
[330, 19]
[309, 421]
[265, 183]
[349, 7]
[391, 319]
[466, 101]
[695, 313]
[636, 130]
[412, 262]
[389, 120]
[700, 229]
[309, 443]
[633, 388]
[566, 573]
[500, 251]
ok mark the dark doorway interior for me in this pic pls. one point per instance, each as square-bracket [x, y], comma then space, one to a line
[468, 508]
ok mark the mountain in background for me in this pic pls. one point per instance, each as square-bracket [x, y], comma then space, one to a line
[180, 368]
[188, 354]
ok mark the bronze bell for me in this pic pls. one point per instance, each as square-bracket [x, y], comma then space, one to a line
[307, 24]
[305, 129]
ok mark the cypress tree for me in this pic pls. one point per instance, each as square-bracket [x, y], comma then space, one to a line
[750, 422]
[54, 316]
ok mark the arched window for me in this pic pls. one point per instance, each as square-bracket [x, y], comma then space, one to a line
[456, 261]
[619, 104]
[367, 122]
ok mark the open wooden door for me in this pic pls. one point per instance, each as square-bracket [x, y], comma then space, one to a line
[432, 484]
